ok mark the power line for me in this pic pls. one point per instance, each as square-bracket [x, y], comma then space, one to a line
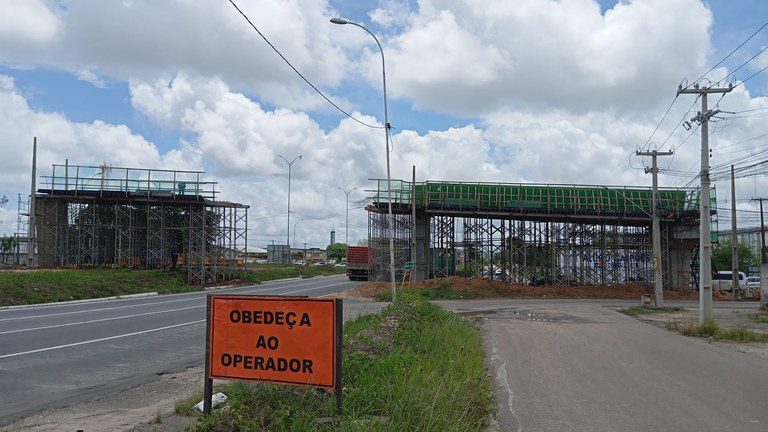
[742, 65]
[729, 54]
[299, 73]
[659, 123]
[750, 77]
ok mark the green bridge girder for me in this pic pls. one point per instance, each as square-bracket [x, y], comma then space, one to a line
[673, 203]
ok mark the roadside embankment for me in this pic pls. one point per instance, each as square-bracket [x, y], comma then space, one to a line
[460, 288]
[413, 366]
[22, 287]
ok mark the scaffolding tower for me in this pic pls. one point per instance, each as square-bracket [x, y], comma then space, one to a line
[103, 216]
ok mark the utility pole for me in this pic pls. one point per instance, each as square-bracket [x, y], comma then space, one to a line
[288, 228]
[734, 241]
[346, 229]
[705, 236]
[763, 265]
[31, 234]
[658, 283]
[762, 230]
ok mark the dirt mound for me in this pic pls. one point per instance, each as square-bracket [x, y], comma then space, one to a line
[480, 287]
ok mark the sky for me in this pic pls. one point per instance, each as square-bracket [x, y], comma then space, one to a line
[535, 91]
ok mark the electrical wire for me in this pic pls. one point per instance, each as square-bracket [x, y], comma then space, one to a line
[750, 77]
[299, 73]
[729, 55]
[647, 142]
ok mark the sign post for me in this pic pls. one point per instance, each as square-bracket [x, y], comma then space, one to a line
[276, 339]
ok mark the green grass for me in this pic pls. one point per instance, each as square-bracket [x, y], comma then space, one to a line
[708, 329]
[712, 330]
[186, 406]
[45, 286]
[293, 271]
[51, 286]
[761, 317]
[639, 310]
[441, 291]
[412, 367]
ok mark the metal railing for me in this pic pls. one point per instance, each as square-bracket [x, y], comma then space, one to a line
[74, 179]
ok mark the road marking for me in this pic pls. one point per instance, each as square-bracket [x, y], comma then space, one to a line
[142, 314]
[140, 304]
[100, 320]
[100, 339]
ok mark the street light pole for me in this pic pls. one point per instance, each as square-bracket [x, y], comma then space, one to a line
[294, 229]
[346, 192]
[387, 127]
[288, 229]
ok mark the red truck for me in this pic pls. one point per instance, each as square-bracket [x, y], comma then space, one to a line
[359, 260]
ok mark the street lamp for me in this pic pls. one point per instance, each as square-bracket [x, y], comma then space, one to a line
[294, 229]
[346, 192]
[288, 233]
[387, 126]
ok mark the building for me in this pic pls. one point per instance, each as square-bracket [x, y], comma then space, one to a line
[749, 236]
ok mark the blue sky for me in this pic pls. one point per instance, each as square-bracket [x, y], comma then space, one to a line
[472, 96]
[61, 91]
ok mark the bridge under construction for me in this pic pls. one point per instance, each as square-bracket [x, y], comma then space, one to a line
[103, 216]
[535, 233]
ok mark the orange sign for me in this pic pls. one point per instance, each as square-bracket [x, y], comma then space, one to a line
[286, 340]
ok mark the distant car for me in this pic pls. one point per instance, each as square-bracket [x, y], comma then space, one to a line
[753, 284]
[319, 263]
[341, 264]
[299, 262]
[722, 281]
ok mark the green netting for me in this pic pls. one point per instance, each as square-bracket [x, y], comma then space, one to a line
[553, 198]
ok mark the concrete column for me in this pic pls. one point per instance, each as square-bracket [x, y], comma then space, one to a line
[764, 286]
[421, 251]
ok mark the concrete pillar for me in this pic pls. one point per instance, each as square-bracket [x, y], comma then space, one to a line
[421, 248]
[679, 269]
[764, 286]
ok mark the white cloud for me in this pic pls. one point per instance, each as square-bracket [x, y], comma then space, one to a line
[26, 25]
[144, 40]
[455, 56]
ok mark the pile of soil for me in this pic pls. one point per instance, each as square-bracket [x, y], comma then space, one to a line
[480, 287]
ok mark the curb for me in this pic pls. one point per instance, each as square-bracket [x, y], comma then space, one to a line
[40, 305]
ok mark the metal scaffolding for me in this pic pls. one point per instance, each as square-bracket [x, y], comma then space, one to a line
[534, 234]
[378, 241]
[165, 220]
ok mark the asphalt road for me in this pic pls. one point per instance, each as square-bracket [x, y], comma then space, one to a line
[557, 365]
[53, 356]
[580, 366]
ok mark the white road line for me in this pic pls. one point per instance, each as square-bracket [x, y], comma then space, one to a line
[133, 305]
[146, 313]
[100, 339]
[101, 320]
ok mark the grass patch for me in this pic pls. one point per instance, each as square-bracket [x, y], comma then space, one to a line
[712, 330]
[708, 329]
[186, 406]
[639, 310]
[412, 367]
[63, 285]
[440, 291]
[46, 286]
[761, 317]
[293, 271]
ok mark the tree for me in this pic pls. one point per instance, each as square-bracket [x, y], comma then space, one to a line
[7, 244]
[363, 242]
[721, 256]
[336, 251]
